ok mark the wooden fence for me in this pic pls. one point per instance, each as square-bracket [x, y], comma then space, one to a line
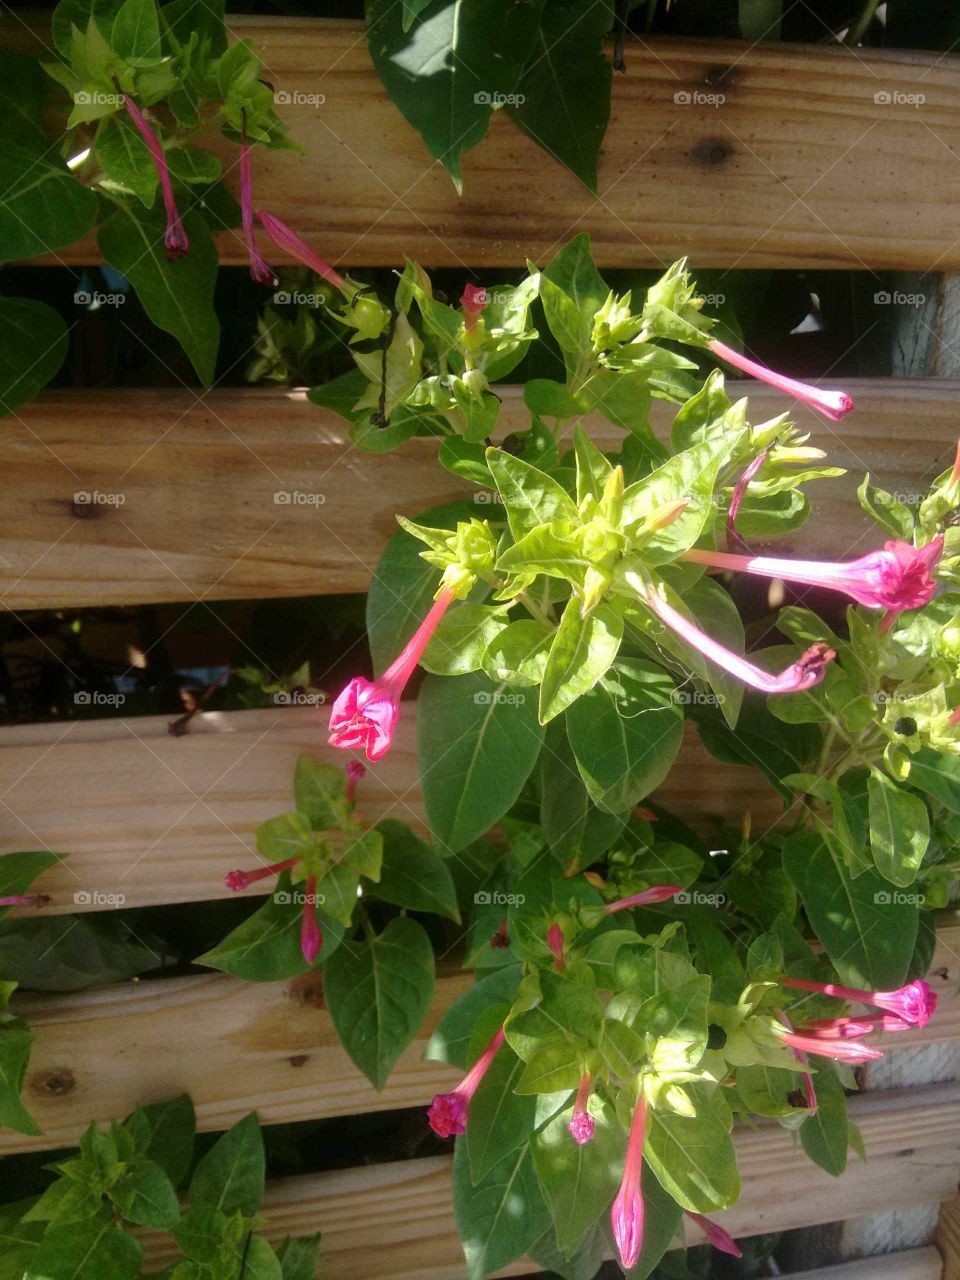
[794, 169]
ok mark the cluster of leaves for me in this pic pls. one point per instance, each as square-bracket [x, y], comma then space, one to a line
[129, 1177]
[172, 60]
[677, 1000]
[377, 986]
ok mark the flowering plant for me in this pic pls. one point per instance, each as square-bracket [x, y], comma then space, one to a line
[635, 997]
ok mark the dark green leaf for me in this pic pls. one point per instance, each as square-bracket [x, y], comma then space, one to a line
[164, 1131]
[86, 1251]
[412, 875]
[230, 1177]
[501, 1215]
[43, 207]
[33, 344]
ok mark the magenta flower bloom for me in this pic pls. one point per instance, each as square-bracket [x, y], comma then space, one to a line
[555, 943]
[355, 770]
[288, 240]
[626, 1213]
[365, 714]
[647, 898]
[581, 1124]
[837, 1028]
[894, 579]
[237, 880]
[803, 674]
[719, 1238]
[915, 1003]
[175, 241]
[474, 302]
[448, 1111]
[850, 1051]
[809, 1090]
[311, 938]
[834, 404]
[259, 270]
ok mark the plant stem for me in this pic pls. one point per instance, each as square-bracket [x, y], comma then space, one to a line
[858, 28]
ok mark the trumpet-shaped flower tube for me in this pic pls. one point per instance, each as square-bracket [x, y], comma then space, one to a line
[646, 898]
[259, 270]
[719, 1238]
[448, 1111]
[626, 1213]
[915, 1003]
[581, 1125]
[286, 238]
[175, 240]
[365, 714]
[833, 404]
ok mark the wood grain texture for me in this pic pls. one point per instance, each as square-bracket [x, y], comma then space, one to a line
[266, 1046]
[948, 1239]
[910, 1264]
[816, 156]
[395, 1220]
[148, 818]
[181, 490]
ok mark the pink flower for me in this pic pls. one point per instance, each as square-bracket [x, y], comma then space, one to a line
[500, 940]
[915, 1003]
[365, 714]
[311, 938]
[25, 900]
[738, 494]
[448, 1111]
[719, 1238]
[175, 240]
[626, 1213]
[834, 404]
[259, 270]
[894, 579]
[581, 1124]
[809, 1090]
[237, 880]
[555, 943]
[288, 240]
[802, 674]
[849, 1051]
[837, 1028]
[474, 302]
[355, 770]
[658, 893]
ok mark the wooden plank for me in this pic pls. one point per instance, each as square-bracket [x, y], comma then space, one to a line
[910, 1264]
[267, 1046]
[817, 157]
[395, 1220]
[179, 493]
[149, 818]
[948, 1239]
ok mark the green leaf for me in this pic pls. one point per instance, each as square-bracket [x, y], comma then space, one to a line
[451, 1040]
[403, 586]
[868, 932]
[477, 743]
[693, 1156]
[135, 34]
[19, 870]
[319, 792]
[378, 994]
[43, 207]
[517, 655]
[33, 345]
[86, 1251]
[581, 653]
[501, 1214]
[126, 159]
[531, 497]
[177, 296]
[299, 1257]
[625, 734]
[412, 875]
[446, 75]
[577, 831]
[825, 1135]
[501, 1120]
[266, 947]
[260, 1261]
[16, 1042]
[886, 510]
[164, 1132]
[146, 1196]
[579, 1182]
[899, 829]
[565, 88]
[458, 644]
[230, 1177]
[23, 90]
[938, 776]
[71, 953]
[289, 835]
[662, 1223]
